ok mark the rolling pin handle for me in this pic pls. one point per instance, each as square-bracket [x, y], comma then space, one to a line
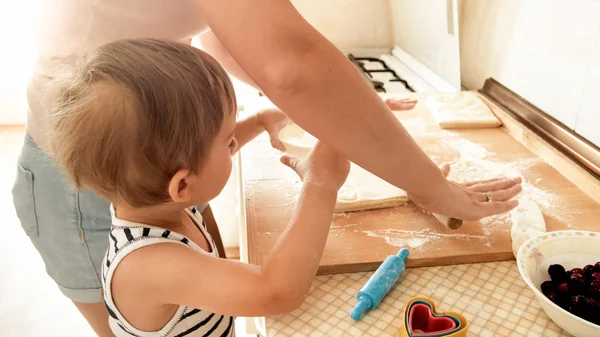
[364, 304]
[449, 222]
[403, 254]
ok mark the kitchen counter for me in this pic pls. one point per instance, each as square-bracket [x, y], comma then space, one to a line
[492, 296]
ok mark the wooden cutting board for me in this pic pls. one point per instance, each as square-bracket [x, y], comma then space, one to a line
[361, 241]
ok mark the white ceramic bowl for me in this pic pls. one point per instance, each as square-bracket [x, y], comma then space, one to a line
[572, 249]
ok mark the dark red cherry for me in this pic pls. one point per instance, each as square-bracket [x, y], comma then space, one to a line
[552, 297]
[579, 302]
[588, 271]
[563, 288]
[548, 287]
[577, 285]
[577, 271]
[595, 293]
[557, 273]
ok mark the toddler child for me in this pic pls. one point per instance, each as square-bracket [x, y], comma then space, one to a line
[151, 126]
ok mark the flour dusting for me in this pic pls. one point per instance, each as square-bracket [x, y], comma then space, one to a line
[417, 127]
[416, 239]
[468, 149]
[398, 240]
[474, 164]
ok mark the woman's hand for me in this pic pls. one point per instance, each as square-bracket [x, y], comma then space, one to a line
[470, 201]
[273, 120]
[322, 167]
[396, 104]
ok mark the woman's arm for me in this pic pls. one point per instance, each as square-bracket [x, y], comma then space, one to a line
[212, 45]
[320, 90]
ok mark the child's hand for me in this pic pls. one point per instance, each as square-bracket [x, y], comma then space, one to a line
[323, 166]
[401, 104]
[273, 120]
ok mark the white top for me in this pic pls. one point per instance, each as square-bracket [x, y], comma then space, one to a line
[69, 27]
[124, 238]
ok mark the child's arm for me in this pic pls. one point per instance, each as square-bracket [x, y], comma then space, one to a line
[273, 120]
[270, 120]
[174, 274]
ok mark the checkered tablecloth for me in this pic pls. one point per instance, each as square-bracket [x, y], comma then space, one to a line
[492, 296]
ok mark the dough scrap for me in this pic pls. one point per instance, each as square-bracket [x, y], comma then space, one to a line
[461, 110]
[527, 221]
[361, 191]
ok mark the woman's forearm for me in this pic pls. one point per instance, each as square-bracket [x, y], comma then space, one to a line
[345, 112]
[314, 83]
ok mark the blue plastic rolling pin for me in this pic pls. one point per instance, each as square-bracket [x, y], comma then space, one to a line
[379, 284]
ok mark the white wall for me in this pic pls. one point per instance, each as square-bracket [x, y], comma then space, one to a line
[16, 58]
[350, 23]
[428, 31]
[544, 50]
[588, 119]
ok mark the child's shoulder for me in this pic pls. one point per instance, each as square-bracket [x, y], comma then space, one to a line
[138, 255]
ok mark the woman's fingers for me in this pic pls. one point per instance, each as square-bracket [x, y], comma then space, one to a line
[506, 194]
[401, 104]
[477, 182]
[496, 207]
[499, 195]
[494, 184]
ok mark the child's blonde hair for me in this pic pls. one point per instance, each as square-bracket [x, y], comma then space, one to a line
[133, 113]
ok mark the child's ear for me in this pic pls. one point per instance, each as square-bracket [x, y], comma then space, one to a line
[180, 189]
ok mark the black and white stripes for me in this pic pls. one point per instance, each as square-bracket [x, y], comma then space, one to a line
[126, 237]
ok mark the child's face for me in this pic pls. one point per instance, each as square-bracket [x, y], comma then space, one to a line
[216, 168]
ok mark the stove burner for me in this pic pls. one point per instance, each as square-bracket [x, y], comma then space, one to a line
[377, 85]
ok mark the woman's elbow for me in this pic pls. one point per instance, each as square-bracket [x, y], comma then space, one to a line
[293, 67]
[283, 77]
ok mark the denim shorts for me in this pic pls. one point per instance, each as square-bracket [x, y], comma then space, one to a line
[69, 229]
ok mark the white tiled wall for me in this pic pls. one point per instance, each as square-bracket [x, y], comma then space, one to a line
[588, 120]
[541, 49]
[428, 31]
[350, 23]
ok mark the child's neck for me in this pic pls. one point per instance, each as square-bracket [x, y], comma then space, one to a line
[164, 216]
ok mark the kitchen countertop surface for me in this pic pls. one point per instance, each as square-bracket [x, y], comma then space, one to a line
[492, 296]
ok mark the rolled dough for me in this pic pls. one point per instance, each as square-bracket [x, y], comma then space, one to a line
[461, 110]
[527, 221]
[361, 191]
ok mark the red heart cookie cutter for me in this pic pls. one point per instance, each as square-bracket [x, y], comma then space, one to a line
[424, 321]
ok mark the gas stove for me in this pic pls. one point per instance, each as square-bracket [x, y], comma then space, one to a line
[395, 71]
[382, 78]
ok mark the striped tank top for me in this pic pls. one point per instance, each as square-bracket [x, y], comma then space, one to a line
[124, 238]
